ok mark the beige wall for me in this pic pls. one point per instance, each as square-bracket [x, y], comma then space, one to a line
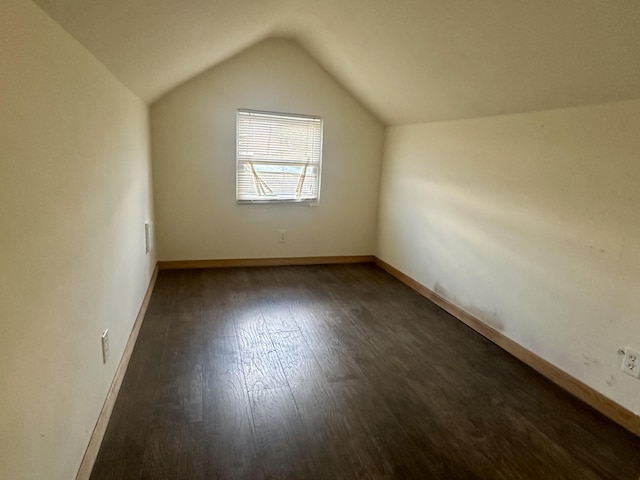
[193, 149]
[74, 195]
[531, 222]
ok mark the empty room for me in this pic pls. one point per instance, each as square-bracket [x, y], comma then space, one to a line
[301, 239]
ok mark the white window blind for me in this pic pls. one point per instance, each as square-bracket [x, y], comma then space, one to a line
[279, 157]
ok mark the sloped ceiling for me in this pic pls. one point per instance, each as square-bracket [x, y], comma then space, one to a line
[407, 60]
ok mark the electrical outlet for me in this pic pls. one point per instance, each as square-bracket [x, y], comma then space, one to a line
[631, 362]
[283, 236]
[105, 345]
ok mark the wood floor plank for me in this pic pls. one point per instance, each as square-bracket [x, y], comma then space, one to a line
[262, 370]
[179, 393]
[338, 445]
[175, 452]
[337, 372]
[218, 321]
[230, 449]
[280, 436]
[301, 368]
[260, 362]
[179, 397]
[275, 307]
[220, 301]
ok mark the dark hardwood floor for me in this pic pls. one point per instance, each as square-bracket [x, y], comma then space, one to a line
[338, 372]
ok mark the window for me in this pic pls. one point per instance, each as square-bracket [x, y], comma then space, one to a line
[279, 157]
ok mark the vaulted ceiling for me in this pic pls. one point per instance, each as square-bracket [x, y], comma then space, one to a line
[406, 60]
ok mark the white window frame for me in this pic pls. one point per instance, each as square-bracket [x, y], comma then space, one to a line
[309, 149]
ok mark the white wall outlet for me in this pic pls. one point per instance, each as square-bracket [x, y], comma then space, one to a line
[283, 236]
[631, 362]
[105, 345]
[148, 235]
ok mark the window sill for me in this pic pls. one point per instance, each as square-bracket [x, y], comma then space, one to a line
[309, 203]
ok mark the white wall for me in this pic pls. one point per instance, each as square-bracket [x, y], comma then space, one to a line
[74, 195]
[530, 222]
[193, 150]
